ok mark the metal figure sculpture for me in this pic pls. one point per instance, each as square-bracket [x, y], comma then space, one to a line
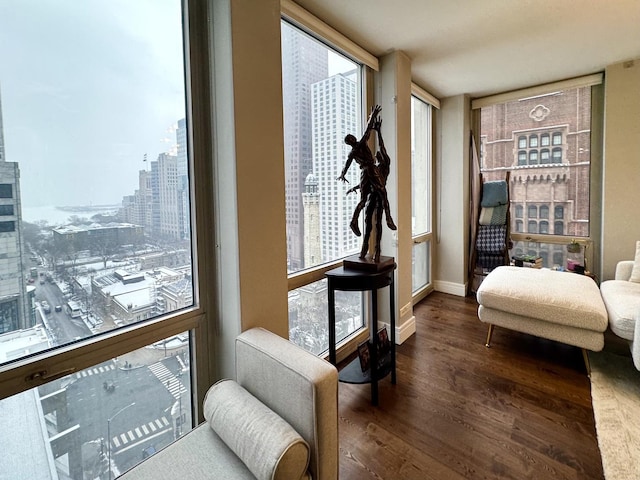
[373, 180]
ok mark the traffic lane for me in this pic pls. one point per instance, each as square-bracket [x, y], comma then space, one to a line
[90, 404]
[67, 330]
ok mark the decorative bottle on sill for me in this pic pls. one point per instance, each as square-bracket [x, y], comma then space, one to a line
[575, 257]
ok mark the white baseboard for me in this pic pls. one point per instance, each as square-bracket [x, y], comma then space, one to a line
[404, 330]
[458, 289]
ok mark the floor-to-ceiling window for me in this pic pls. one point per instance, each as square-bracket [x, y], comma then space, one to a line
[324, 101]
[421, 190]
[546, 140]
[98, 280]
[322, 94]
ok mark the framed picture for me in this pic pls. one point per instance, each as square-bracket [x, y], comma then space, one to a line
[363, 355]
[384, 346]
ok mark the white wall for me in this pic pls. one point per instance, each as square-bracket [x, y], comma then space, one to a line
[452, 196]
[621, 183]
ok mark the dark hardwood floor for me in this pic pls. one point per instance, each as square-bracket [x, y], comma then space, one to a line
[518, 410]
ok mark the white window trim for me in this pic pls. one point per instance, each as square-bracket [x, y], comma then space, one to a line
[538, 90]
[295, 14]
[425, 96]
[426, 237]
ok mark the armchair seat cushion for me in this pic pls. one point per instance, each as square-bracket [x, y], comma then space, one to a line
[199, 454]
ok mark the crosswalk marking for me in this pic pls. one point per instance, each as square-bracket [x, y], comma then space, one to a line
[168, 379]
[95, 371]
[158, 425]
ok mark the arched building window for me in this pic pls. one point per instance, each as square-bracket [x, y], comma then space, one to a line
[557, 138]
[522, 157]
[519, 211]
[543, 227]
[558, 228]
[544, 211]
[544, 156]
[519, 225]
[544, 140]
[522, 141]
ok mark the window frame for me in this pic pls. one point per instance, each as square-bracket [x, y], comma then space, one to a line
[596, 83]
[427, 236]
[40, 368]
[312, 26]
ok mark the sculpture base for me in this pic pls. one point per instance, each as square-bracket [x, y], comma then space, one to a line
[367, 264]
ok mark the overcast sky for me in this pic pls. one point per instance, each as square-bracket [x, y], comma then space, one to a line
[88, 87]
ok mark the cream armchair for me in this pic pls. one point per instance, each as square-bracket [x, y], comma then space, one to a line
[278, 420]
[622, 299]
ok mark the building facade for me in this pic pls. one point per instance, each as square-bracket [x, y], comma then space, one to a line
[304, 62]
[544, 142]
[98, 238]
[161, 203]
[334, 111]
[17, 308]
[183, 179]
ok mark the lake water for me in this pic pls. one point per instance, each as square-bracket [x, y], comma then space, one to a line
[59, 216]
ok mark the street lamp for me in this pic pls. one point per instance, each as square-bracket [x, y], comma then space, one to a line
[109, 433]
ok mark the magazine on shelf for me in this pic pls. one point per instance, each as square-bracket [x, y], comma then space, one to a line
[384, 347]
[363, 355]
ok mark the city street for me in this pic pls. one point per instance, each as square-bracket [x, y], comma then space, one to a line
[135, 414]
[64, 328]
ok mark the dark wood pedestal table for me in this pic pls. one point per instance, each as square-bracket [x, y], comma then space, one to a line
[348, 279]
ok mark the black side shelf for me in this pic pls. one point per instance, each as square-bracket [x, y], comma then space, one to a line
[352, 373]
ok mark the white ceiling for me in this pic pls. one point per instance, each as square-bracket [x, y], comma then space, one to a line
[481, 47]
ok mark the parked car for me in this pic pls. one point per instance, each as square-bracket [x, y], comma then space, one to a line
[45, 306]
[147, 452]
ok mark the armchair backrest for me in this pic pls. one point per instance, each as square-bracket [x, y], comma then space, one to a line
[623, 270]
[298, 386]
